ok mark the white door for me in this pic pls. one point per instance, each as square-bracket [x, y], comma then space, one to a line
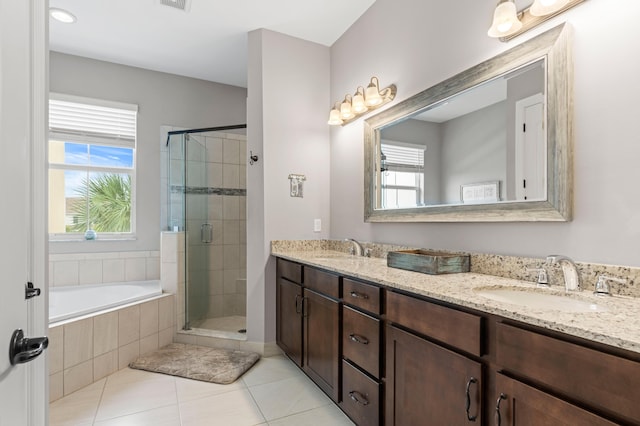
[23, 386]
[531, 149]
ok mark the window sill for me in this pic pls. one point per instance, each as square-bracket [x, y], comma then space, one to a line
[78, 240]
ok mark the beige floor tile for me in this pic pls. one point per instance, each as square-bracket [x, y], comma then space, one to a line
[328, 415]
[287, 397]
[77, 408]
[271, 369]
[121, 399]
[235, 408]
[189, 390]
[164, 416]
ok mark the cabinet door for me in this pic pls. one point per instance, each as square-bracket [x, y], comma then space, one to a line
[321, 341]
[520, 405]
[289, 319]
[429, 385]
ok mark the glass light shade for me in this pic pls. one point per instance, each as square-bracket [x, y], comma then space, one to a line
[505, 20]
[357, 104]
[345, 110]
[62, 15]
[372, 96]
[546, 7]
[334, 118]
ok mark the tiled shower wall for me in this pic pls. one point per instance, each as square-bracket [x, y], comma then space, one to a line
[98, 268]
[216, 194]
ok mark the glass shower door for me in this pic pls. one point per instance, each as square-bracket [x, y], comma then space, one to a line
[199, 232]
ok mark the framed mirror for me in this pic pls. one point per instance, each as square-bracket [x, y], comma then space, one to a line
[493, 143]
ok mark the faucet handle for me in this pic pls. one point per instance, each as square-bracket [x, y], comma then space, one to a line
[602, 285]
[543, 279]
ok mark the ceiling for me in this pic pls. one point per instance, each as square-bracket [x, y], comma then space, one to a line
[208, 41]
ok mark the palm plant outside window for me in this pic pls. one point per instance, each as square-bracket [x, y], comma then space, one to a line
[91, 168]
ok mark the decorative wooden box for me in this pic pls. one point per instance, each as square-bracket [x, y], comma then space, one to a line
[428, 262]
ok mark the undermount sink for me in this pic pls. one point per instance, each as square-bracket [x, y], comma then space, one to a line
[540, 300]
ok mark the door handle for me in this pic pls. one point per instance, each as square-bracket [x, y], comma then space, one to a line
[23, 349]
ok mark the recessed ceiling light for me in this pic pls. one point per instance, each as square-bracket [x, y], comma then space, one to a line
[62, 15]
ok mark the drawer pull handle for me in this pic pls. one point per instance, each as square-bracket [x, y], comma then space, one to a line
[359, 339]
[358, 398]
[498, 416]
[471, 418]
[358, 295]
[298, 309]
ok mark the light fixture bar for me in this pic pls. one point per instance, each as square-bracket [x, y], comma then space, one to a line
[361, 102]
[529, 21]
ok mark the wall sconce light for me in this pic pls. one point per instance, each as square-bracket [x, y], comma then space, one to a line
[361, 101]
[509, 23]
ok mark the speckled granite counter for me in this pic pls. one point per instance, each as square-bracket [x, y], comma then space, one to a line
[619, 326]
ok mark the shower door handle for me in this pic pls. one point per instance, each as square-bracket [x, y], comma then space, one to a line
[206, 233]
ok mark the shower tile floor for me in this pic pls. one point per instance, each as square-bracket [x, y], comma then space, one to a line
[273, 392]
[227, 324]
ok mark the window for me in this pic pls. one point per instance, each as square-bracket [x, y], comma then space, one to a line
[92, 147]
[403, 175]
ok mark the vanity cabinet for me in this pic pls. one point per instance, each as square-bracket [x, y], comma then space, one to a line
[361, 350]
[321, 329]
[426, 383]
[518, 404]
[308, 322]
[289, 300]
[604, 382]
[390, 357]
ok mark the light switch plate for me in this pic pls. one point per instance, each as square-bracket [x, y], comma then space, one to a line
[317, 225]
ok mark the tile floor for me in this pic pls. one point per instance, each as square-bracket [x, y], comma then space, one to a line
[274, 392]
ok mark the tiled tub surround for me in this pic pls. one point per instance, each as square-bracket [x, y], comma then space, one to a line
[99, 268]
[618, 327]
[86, 349]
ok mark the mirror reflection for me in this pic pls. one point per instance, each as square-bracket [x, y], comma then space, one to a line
[485, 145]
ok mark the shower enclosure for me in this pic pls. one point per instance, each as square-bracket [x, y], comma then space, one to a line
[207, 201]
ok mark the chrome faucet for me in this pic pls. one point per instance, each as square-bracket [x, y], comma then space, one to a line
[357, 247]
[569, 269]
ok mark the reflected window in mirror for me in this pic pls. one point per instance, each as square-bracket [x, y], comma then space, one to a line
[491, 132]
[401, 174]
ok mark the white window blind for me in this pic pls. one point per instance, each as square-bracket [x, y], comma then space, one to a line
[92, 120]
[399, 155]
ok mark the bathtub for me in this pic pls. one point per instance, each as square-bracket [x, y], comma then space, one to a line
[74, 301]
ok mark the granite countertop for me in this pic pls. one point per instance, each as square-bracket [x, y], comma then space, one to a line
[619, 326]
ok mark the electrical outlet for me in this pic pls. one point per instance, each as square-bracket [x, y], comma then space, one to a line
[317, 225]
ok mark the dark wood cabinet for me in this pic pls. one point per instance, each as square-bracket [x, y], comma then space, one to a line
[426, 384]
[390, 357]
[518, 404]
[321, 341]
[360, 396]
[289, 314]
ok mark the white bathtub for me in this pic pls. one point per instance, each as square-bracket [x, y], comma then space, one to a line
[74, 301]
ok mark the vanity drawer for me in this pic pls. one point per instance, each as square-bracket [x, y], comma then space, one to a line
[322, 282]
[360, 396]
[455, 328]
[361, 340]
[289, 270]
[604, 381]
[361, 295]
